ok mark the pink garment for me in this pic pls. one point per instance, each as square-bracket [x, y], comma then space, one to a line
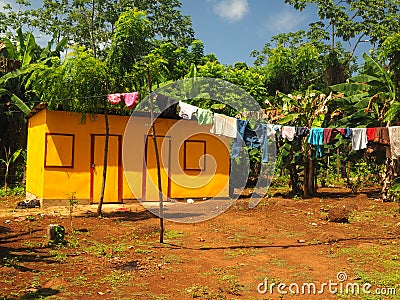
[131, 99]
[288, 132]
[114, 98]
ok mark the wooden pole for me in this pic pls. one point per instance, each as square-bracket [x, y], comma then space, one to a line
[103, 184]
[154, 136]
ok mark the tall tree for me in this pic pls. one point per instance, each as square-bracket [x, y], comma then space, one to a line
[355, 21]
[293, 61]
[91, 23]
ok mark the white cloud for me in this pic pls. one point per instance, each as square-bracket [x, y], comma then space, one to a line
[231, 10]
[284, 21]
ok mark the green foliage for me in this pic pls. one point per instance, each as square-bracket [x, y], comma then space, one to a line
[16, 191]
[9, 159]
[77, 84]
[131, 41]
[368, 99]
[91, 23]
[302, 111]
[295, 60]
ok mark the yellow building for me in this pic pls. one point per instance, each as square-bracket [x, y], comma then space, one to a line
[65, 158]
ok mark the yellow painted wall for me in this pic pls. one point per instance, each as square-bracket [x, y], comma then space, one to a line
[60, 183]
[35, 154]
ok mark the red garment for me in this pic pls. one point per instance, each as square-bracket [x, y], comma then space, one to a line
[370, 134]
[330, 134]
[341, 130]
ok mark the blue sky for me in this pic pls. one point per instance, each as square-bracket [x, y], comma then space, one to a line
[232, 29]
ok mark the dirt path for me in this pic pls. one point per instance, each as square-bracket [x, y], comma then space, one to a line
[241, 254]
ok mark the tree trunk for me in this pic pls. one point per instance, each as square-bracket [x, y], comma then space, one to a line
[91, 30]
[103, 185]
[309, 174]
[6, 178]
[154, 136]
[332, 36]
[390, 173]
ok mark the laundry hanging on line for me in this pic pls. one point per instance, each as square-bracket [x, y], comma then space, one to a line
[243, 135]
[130, 99]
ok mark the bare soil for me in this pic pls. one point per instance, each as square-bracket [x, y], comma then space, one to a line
[283, 240]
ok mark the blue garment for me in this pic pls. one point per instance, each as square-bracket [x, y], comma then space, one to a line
[251, 137]
[262, 135]
[278, 131]
[347, 133]
[238, 143]
[248, 137]
[316, 138]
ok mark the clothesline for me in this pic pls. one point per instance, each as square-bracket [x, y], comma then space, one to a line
[243, 134]
[259, 136]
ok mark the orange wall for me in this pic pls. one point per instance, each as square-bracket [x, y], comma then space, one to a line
[60, 183]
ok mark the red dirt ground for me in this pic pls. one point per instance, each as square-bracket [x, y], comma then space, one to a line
[283, 240]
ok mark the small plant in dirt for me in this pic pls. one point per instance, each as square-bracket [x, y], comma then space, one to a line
[14, 192]
[231, 285]
[394, 193]
[118, 277]
[172, 234]
[73, 202]
[56, 235]
[203, 292]
[7, 161]
[60, 257]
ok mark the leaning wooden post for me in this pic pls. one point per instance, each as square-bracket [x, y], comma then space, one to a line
[154, 136]
[105, 162]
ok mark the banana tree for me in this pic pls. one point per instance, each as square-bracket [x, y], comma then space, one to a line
[369, 99]
[298, 156]
[30, 57]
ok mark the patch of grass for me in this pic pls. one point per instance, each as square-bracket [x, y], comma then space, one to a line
[143, 251]
[16, 191]
[57, 255]
[80, 280]
[377, 278]
[279, 262]
[173, 234]
[286, 234]
[231, 284]
[384, 261]
[73, 241]
[203, 292]
[118, 277]
[9, 261]
[171, 258]
[236, 252]
[111, 250]
[242, 252]
[32, 244]
[304, 277]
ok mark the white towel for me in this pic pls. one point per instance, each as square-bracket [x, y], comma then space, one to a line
[224, 125]
[359, 138]
[186, 110]
[394, 137]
